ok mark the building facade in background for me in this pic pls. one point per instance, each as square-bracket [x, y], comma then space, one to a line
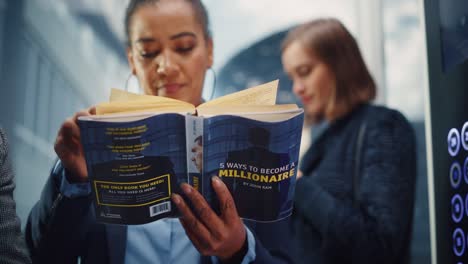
[53, 64]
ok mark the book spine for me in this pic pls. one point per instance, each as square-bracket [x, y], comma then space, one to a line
[194, 136]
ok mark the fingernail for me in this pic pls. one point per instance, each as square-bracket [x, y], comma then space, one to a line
[176, 198]
[216, 180]
[186, 188]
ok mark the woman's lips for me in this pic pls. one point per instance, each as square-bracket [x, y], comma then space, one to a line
[306, 99]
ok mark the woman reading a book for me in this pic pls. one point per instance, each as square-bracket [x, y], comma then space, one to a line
[169, 50]
[354, 202]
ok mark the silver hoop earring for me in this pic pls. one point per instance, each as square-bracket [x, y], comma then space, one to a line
[214, 83]
[127, 82]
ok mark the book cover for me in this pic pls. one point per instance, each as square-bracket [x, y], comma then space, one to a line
[257, 161]
[139, 156]
[134, 167]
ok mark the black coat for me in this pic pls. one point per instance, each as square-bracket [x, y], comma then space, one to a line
[330, 225]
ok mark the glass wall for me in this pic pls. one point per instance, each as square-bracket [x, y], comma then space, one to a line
[52, 66]
[61, 56]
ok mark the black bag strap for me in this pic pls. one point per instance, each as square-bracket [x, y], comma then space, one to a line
[357, 165]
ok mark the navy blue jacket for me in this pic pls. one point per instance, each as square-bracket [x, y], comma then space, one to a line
[330, 224]
[60, 229]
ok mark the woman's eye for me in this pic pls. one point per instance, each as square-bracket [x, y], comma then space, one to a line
[184, 49]
[149, 55]
[303, 71]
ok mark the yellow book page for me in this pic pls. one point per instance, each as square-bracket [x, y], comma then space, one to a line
[122, 101]
[144, 105]
[246, 109]
[264, 94]
[273, 117]
[126, 102]
[118, 95]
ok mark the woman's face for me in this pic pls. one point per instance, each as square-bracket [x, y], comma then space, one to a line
[169, 53]
[313, 81]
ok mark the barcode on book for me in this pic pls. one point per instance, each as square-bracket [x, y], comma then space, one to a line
[160, 208]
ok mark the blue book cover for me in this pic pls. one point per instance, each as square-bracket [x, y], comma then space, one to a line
[134, 167]
[256, 160]
[140, 148]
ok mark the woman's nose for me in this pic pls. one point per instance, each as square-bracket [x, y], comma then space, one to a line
[165, 65]
[298, 88]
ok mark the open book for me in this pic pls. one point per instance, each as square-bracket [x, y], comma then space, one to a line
[140, 148]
